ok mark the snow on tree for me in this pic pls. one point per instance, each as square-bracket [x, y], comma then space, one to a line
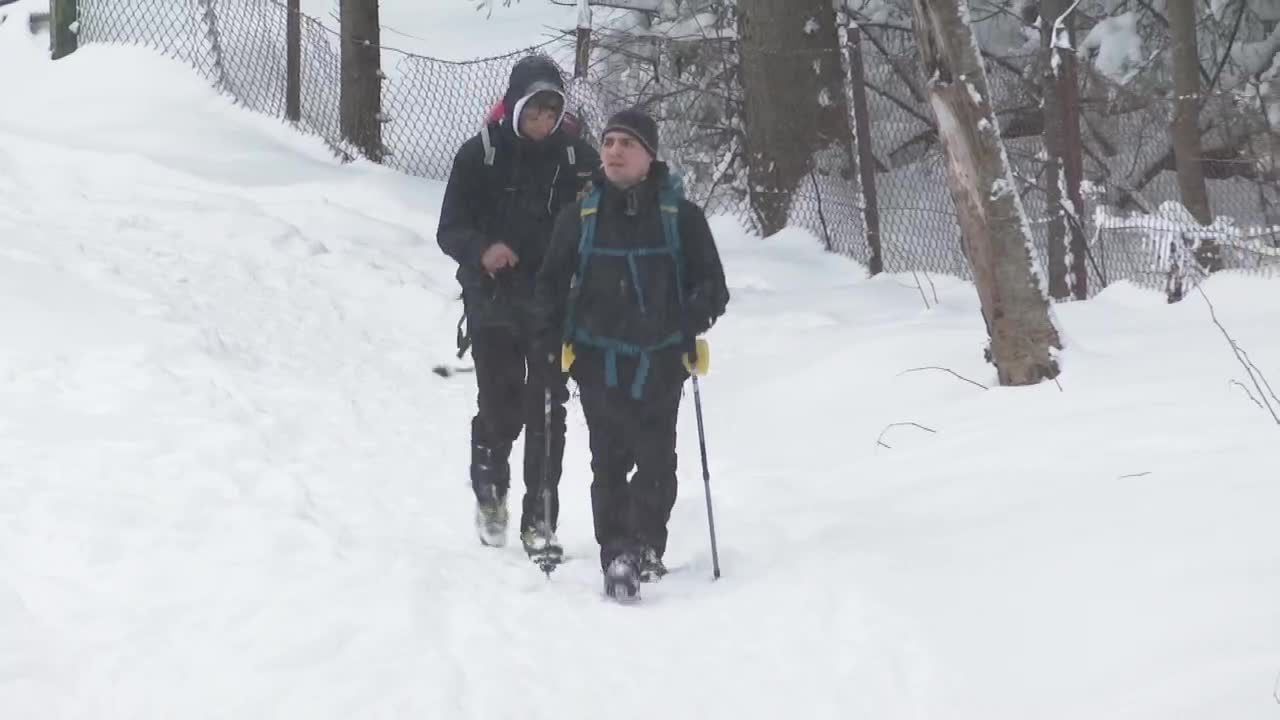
[796, 111]
[680, 63]
[997, 238]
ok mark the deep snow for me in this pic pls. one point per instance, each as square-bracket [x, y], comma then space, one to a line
[231, 487]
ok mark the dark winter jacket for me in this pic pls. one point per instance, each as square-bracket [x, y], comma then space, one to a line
[514, 201]
[607, 303]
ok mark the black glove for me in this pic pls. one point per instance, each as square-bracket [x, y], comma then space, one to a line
[546, 357]
[697, 312]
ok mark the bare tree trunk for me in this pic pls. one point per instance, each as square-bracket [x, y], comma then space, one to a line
[1187, 151]
[1063, 167]
[582, 48]
[796, 112]
[997, 242]
[866, 159]
[1073, 165]
[361, 104]
[1186, 114]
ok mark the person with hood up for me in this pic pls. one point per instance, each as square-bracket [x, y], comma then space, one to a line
[505, 189]
[632, 278]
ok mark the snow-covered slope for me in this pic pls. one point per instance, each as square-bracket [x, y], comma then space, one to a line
[230, 486]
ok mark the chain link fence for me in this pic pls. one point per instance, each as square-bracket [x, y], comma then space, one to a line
[429, 107]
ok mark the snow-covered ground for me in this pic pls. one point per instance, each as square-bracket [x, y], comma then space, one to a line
[230, 486]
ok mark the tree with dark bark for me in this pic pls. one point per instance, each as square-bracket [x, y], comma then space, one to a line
[795, 106]
[1063, 167]
[1185, 56]
[361, 103]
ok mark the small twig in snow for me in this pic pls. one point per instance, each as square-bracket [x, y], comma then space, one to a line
[880, 440]
[946, 370]
[933, 288]
[1261, 377]
[1134, 475]
[921, 289]
[1248, 392]
[1250, 369]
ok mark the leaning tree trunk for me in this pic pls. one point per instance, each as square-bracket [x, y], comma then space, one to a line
[997, 241]
[361, 103]
[796, 110]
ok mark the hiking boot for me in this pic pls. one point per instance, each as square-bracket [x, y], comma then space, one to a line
[491, 517]
[622, 578]
[651, 567]
[541, 545]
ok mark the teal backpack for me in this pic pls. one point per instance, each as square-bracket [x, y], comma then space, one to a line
[669, 196]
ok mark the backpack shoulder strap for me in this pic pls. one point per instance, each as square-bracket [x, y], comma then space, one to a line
[588, 216]
[490, 153]
[669, 198]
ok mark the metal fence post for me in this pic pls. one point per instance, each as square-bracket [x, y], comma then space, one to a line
[64, 17]
[293, 63]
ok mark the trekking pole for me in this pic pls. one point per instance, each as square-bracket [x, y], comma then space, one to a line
[546, 467]
[706, 478]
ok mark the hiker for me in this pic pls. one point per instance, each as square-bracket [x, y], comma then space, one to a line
[505, 189]
[632, 278]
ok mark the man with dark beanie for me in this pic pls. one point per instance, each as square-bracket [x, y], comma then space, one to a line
[505, 189]
[632, 278]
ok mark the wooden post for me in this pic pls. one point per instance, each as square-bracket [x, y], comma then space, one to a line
[64, 18]
[582, 58]
[866, 158]
[293, 63]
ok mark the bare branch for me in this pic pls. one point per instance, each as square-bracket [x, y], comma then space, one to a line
[880, 440]
[921, 289]
[1252, 370]
[1262, 377]
[907, 80]
[1226, 54]
[1248, 392]
[906, 107]
[946, 370]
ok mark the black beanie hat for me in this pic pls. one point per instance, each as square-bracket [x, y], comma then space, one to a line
[638, 124]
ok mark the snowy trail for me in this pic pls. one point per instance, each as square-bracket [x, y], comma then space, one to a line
[234, 465]
[230, 485]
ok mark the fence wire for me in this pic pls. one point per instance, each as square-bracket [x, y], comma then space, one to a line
[429, 107]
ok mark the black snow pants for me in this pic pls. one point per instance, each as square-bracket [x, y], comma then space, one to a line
[626, 434]
[510, 398]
